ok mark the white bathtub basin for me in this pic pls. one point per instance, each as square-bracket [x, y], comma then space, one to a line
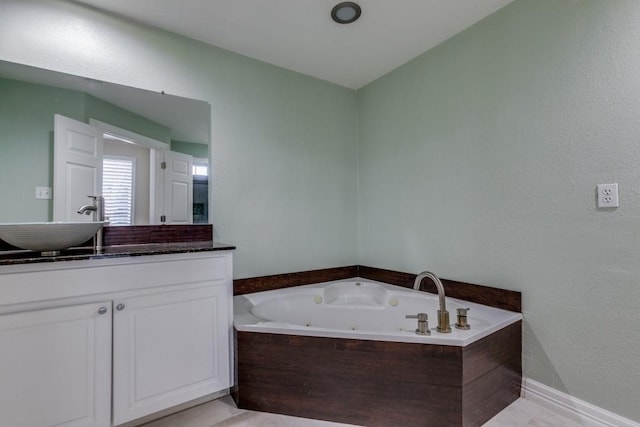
[48, 236]
[362, 309]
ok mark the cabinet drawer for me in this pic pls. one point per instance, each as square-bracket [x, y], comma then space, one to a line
[82, 278]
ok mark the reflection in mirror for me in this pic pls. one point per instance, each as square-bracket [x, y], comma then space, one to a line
[128, 118]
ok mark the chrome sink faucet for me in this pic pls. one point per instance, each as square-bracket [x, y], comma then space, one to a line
[98, 215]
[87, 209]
[443, 314]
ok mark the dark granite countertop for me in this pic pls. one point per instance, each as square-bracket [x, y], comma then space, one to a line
[75, 254]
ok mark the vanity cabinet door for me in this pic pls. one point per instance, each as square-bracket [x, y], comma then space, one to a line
[55, 367]
[169, 348]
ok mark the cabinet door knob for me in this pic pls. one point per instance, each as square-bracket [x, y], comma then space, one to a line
[120, 307]
[102, 310]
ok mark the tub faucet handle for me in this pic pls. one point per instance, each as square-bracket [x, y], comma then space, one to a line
[420, 316]
[462, 318]
[423, 323]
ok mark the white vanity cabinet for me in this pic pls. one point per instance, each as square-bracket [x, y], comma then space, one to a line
[107, 341]
[167, 350]
[56, 367]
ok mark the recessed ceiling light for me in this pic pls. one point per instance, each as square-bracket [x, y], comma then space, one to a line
[346, 12]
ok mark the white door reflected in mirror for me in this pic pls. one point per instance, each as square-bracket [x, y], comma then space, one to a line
[178, 188]
[77, 167]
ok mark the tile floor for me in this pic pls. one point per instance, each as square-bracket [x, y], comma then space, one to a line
[224, 413]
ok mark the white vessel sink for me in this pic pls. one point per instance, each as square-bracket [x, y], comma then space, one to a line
[48, 236]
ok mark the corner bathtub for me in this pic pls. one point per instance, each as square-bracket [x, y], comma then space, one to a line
[362, 309]
[343, 351]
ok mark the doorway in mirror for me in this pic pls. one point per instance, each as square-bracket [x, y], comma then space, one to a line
[200, 190]
[160, 186]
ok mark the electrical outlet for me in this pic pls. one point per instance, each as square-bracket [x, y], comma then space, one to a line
[43, 193]
[608, 196]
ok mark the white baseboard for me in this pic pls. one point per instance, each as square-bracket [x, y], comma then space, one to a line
[578, 410]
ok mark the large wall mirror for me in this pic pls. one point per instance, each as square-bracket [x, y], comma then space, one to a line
[139, 132]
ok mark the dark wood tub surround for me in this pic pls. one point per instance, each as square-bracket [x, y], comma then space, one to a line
[374, 383]
[485, 295]
[493, 297]
[279, 281]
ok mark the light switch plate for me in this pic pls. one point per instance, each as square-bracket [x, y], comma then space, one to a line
[43, 193]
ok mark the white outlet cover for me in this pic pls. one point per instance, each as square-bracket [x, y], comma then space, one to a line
[608, 196]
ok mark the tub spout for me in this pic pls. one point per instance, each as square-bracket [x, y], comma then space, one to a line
[443, 314]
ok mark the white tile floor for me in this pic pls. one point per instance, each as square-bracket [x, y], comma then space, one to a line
[224, 413]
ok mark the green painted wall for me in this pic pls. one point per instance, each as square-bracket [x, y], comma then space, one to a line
[26, 145]
[193, 149]
[479, 160]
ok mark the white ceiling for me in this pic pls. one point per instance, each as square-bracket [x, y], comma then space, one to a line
[299, 34]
